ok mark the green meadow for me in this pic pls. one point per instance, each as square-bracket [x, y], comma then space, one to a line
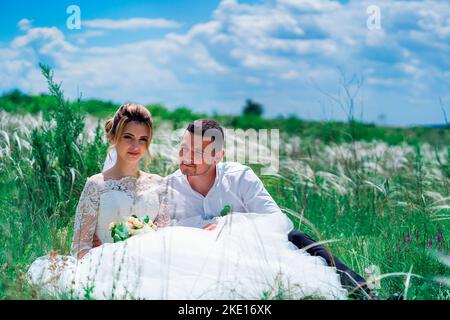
[380, 196]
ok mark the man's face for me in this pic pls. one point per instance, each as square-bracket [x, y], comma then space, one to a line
[197, 155]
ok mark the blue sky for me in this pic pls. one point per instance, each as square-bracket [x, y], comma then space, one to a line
[211, 55]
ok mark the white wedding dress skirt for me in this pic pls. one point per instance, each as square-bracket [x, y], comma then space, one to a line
[248, 256]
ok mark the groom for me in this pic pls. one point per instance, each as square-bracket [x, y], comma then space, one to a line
[204, 184]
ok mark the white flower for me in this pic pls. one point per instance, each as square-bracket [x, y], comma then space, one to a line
[373, 273]
[151, 225]
[135, 222]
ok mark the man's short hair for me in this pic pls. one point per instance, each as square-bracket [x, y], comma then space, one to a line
[207, 127]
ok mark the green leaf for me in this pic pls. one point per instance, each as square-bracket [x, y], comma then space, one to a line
[226, 209]
[116, 238]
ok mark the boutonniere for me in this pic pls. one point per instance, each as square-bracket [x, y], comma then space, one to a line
[226, 210]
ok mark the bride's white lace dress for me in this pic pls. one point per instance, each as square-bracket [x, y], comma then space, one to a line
[248, 255]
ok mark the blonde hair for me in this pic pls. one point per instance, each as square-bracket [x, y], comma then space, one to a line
[130, 112]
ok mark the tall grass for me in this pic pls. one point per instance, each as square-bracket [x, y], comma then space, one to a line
[384, 204]
[40, 186]
[381, 203]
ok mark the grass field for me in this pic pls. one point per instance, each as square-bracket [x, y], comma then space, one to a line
[382, 197]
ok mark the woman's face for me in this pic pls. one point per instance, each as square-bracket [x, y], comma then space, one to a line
[132, 145]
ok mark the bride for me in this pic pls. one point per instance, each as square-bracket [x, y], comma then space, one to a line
[247, 256]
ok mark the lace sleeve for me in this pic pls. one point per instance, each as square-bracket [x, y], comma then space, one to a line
[86, 218]
[162, 219]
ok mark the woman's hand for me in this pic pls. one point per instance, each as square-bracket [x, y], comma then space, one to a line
[96, 242]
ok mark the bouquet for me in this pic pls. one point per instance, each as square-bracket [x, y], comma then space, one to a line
[130, 226]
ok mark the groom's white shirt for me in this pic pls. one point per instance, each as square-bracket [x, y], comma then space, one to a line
[235, 184]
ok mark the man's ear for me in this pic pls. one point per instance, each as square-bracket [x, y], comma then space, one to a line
[219, 155]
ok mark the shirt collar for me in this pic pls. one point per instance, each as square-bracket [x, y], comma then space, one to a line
[219, 174]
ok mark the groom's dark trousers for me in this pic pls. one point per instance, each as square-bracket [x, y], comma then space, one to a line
[349, 279]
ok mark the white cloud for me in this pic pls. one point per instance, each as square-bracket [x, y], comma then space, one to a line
[201, 57]
[257, 60]
[82, 38]
[310, 6]
[208, 30]
[243, 51]
[48, 40]
[435, 22]
[290, 75]
[253, 80]
[130, 24]
[24, 24]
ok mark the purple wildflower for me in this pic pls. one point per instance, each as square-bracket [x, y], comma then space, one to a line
[439, 237]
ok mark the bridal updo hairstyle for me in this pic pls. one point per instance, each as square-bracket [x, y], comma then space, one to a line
[129, 112]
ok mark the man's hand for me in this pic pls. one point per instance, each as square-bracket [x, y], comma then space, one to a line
[96, 242]
[210, 226]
